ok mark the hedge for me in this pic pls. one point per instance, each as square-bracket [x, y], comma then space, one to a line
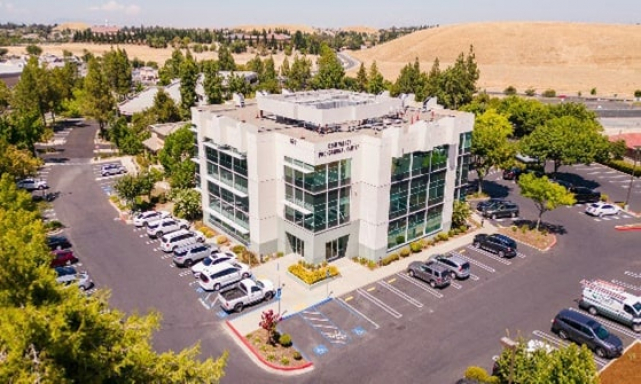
[623, 166]
[312, 276]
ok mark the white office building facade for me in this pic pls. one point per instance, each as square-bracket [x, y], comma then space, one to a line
[330, 174]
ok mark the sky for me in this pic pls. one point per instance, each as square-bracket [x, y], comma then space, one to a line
[326, 13]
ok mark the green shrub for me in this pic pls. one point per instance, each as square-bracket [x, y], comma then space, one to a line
[530, 92]
[248, 258]
[284, 360]
[280, 254]
[221, 239]
[443, 236]
[238, 249]
[400, 239]
[416, 247]
[285, 340]
[405, 252]
[311, 276]
[514, 228]
[53, 225]
[509, 91]
[624, 166]
[362, 261]
[524, 228]
[604, 197]
[477, 373]
[297, 356]
[372, 265]
[549, 93]
[271, 357]
[113, 198]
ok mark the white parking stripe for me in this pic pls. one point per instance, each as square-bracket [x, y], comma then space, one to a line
[455, 285]
[626, 285]
[478, 264]
[394, 313]
[420, 285]
[490, 255]
[618, 327]
[474, 277]
[356, 311]
[401, 294]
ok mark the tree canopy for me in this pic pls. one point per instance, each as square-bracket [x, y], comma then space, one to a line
[330, 70]
[546, 195]
[188, 78]
[178, 149]
[99, 102]
[56, 334]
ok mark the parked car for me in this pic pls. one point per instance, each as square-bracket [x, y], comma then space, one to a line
[581, 329]
[245, 293]
[167, 225]
[562, 183]
[502, 245]
[58, 242]
[171, 241]
[601, 209]
[458, 266]
[584, 195]
[191, 254]
[69, 275]
[501, 209]
[32, 184]
[214, 277]
[144, 218]
[63, 257]
[112, 169]
[481, 206]
[603, 298]
[213, 259]
[437, 276]
[512, 173]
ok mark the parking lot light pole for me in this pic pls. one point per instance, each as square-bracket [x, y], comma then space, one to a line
[636, 156]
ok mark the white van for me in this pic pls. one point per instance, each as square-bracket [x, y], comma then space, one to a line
[610, 300]
[180, 238]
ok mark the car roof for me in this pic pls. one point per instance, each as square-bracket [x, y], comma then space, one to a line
[67, 270]
[212, 268]
[455, 258]
[503, 237]
[578, 316]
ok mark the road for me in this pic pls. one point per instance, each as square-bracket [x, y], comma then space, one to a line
[347, 61]
[436, 342]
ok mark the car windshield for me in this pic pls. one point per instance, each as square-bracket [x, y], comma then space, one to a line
[180, 252]
[601, 332]
[637, 307]
[595, 205]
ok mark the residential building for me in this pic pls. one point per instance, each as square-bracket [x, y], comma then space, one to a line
[158, 134]
[328, 174]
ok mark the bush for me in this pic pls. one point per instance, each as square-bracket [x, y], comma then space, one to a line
[405, 252]
[312, 275]
[53, 225]
[400, 239]
[271, 357]
[284, 360]
[372, 265]
[530, 92]
[510, 90]
[593, 91]
[477, 373]
[297, 356]
[624, 167]
[208, 232]
[514, 228]
[416, 247]
[237, 249]
[113, 198]
[221, 239]
[442, 236]
[248, 258]
[280, 254]
[549, 93]
[285, 340]
[604, 197]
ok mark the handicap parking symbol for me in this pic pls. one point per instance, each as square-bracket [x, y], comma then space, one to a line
[222, 314]
[358, 331]
[320, 350]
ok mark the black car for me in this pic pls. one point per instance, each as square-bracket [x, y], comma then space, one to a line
[501, 209]
[566, 184]
[58, 242]
[502, 245]
[581, 329]
[512, 173]
[481, 206]
[584, 195]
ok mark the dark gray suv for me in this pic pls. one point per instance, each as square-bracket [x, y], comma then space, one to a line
[581, 329]
[437, 276]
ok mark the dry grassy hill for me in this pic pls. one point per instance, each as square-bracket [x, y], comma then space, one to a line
[288, 27]
[72, 26]
[567, 57]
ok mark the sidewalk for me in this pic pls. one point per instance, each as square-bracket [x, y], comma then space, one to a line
[296, 296]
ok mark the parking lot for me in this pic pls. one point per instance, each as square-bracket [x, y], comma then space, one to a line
[397, 301]
[106, 182]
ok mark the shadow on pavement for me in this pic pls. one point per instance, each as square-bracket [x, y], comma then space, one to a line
[494, 189]
[577, 180]
[551, 228]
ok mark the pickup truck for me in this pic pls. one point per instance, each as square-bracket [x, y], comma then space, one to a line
[246, 292]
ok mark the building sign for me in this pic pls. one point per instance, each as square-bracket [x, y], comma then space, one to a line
[337, 147]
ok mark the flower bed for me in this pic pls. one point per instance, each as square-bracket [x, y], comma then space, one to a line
[311, 274]
[282, 353]
[540, 239]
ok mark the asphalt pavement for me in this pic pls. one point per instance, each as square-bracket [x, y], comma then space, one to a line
[434, 341]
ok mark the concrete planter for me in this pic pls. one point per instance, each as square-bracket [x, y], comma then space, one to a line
[312, 286]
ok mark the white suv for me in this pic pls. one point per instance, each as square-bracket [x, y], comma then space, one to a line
[112, 169]
[223, 274]
[144, 218]
[171, 241]
[32, 184]
[167, 225]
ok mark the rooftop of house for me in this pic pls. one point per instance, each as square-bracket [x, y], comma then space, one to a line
[167, 128]
[632, 140]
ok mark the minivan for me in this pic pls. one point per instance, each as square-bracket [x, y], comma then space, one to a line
[180, 238]
[581, 329]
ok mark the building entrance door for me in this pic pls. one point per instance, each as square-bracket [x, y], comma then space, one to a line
[297, 245]
[336, 248]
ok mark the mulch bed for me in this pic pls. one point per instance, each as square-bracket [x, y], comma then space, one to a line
[626, 369]
[537, 239]
[275, 354]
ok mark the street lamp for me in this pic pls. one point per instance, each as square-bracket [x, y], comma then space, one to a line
[636, 155]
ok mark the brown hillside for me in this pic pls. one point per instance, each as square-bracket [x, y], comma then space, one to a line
[567, 57]
[288, 27]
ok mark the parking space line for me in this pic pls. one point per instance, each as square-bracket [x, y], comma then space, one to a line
[455, 285]
[370, 289]
[420, 285]
[401, 294]
[479, 264]
[626, 285]
[520, 255]
[618, 327]
[321, 323]
[391, 280]
[349, 298]
[633, 274]
[490, 255]
[394, 313]
[356, 311]
[474, 277]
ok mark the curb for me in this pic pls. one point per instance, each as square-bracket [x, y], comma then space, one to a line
[628, 228]
[308, 367]
[543, 250]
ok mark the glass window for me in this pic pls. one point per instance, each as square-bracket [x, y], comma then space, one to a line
[226, 177]
[298, 178]
[415, 225]
[401, 167]
[439, 157]
[212, 154]
[346, 171]
[396, 232]
[320, 178]
[343, 212]
[226, 160]
[308, 201]
[242, 203]
[213, 188]
[212, 170]
[418, 194]
[240, 166]
[421, 163]
[332, 209]
[437, 188]
[332, 175]
[398, 199]
[240, 183]
[289, 175]
[227, 196]
[434, 219]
